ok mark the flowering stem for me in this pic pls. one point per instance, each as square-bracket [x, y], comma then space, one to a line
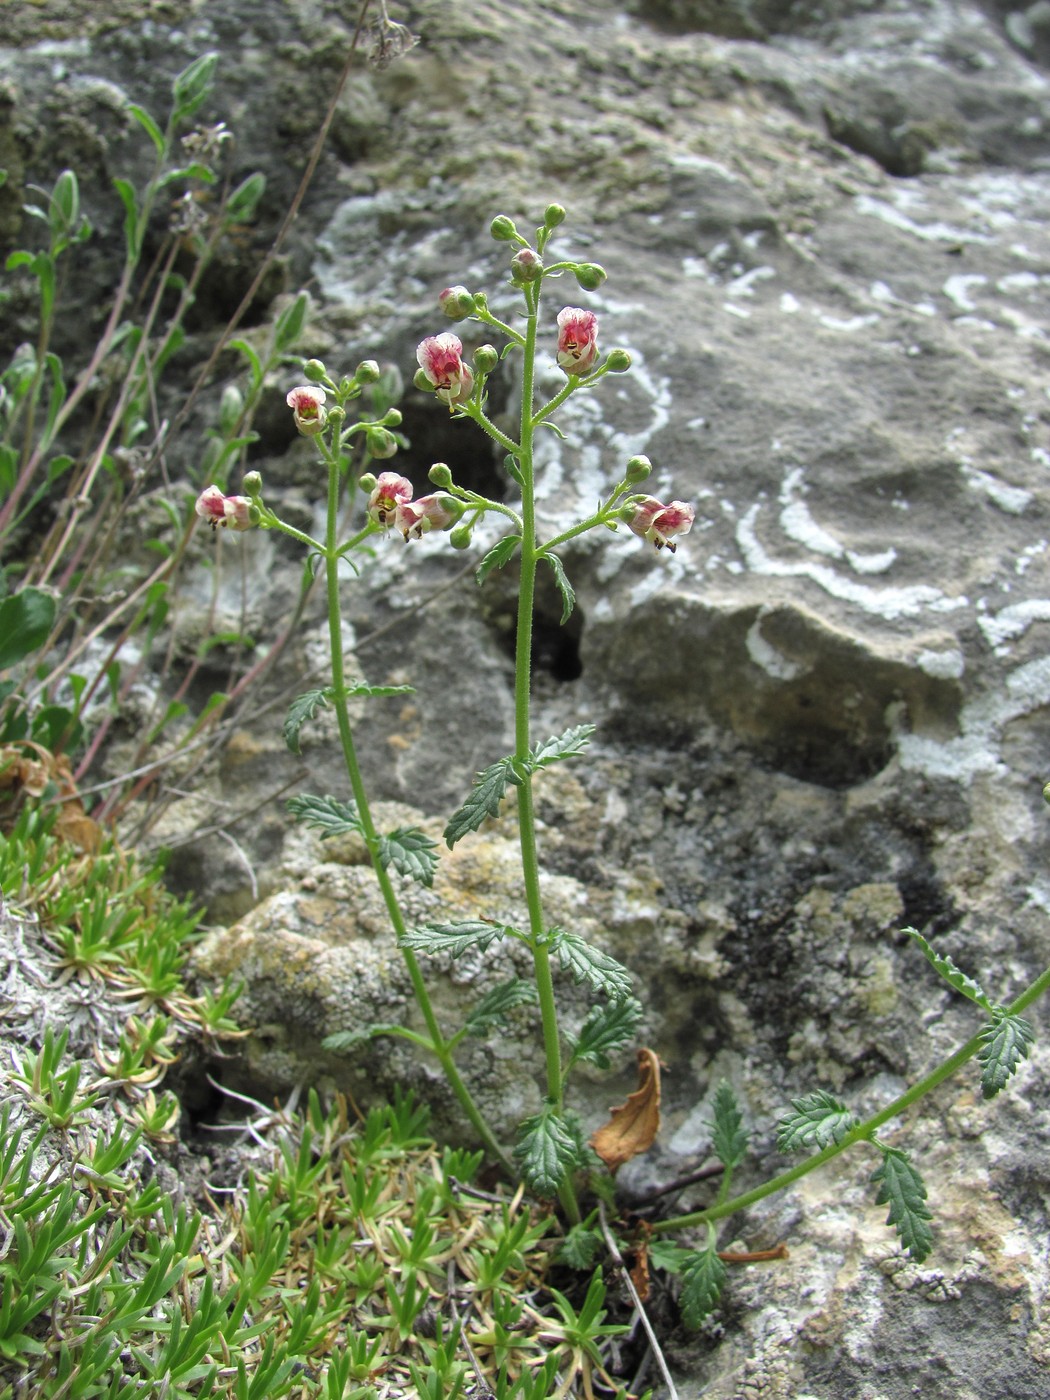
[437, 1042]
[863, 1132]
[530, 556]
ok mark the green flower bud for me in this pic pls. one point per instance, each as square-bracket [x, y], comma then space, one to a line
[457, 303]
[440, 475]
[315, 371]
[638, 468]
[367, 483]
[392, 418]
[502, 229]
[590, 276]
[420, 380]
[553, 215]
[619, 361]
[367, 372]
[252, 484]
[486, 358]
[526, 266]
[380, 443]
[460, 537]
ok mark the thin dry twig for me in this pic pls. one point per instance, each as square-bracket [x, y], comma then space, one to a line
[628, 1282]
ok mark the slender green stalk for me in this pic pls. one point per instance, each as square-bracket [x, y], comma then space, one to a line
[437, 1042]
[863, 1132]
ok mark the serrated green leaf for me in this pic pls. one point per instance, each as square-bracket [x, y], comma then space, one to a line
[483, 802]
[953, 975]
[302, 708]
[665, 1254]
[347, 1040]
[902, 1189]
[489, 1013]
[703, 1278]
[818, 1120]
[454, 939]
[607, 1029]
[580, 1247]
[328, 814]
[546, 1151]
[564, 587]
[588, 964]
[500, 553]
[569, 744]
[377, 691]
[411, 853]
[728, 1136]
[26, 619]
[1006, 1043]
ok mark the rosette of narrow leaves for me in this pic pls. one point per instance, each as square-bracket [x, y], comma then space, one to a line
[817, 1120]
[902, 1189]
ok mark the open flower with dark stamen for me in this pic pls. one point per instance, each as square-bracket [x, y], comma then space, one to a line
[577, 340]
[441, 360]
[654, 521]
[220, 511]
[389, 493]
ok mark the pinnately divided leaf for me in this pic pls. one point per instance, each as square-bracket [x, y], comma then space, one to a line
[953, 975]
[490, 1011]
[1006, 1041]
[328, 814]
[302, 708]
[589, 964]
[567, 745]
[485, 796]
[377, 691]
[547, 1151]
[729, 1136]
[454, 939]
[703, 1277]
[500, 553]
[901, 1188]
[606, 1029]
[564, 587]
[411, 853]
[818, 1120]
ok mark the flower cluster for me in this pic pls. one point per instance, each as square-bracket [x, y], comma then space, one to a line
[390, 504]
[224, 511]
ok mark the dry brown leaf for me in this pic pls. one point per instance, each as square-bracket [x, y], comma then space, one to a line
[633, 1125]
[21, 773]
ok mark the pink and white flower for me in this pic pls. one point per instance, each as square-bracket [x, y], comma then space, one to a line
[654, 521]
[390, 492]
[224, 511]
[307, 404]
[434, 512]
[441, 360]
[577, 340]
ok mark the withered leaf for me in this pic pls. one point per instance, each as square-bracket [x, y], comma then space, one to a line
[633, 1125]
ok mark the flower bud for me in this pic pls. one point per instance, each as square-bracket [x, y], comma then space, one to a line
[440, 475]
[457, 303]
[460, 537]
[638, 468]
[619, 361]
[315, 371]
[380, 443]
[486, 358]
[420, 380]
[367, 372]
[367, 482]
[553, 215]
[392, 418]
[526, 266]
[502, 229]
[590, 276]
[252, 484]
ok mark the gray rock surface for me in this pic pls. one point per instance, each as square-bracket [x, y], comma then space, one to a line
[825, 717]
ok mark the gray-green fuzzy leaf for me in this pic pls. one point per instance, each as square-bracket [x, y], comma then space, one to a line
[328, 814]
[500, 553]
[818, 1120]
[1006, 1043]
[953, 975]
[589, 964]
[564, 587]
[902, 1189]
[490, 1011]
[703, 1278]
[569, 744]
[302, 708]
[454, 939]
[485, 796]
[411, 853]
[546, 1152]
[728, 1136]
[607, 1029]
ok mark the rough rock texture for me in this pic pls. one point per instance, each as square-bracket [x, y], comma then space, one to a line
[826, 717]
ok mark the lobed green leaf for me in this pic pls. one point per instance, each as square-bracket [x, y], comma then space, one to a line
[953, 975]
[569, 744]
[455, 939]
[377, 691]
[489, 1013]
[703, 1278]
[547, 1151]
[564, 587]
[302, 708]
[330, 816]
[818, 1120]
[411, 853]
[485, 796]
[501, 553]
[1006, 1042]
[902, 1189]
[729, 1137]
[589, 964]
[607, 1029]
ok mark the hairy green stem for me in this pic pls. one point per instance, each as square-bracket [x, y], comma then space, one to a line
[438, 1043]
[863, 1132]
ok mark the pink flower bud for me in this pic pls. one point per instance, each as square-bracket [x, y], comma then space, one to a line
[654, 521]
[435, 512]
[441, 360]
[307, 405]
[577, 340]
[224, 511]
[457, 303]
[526, 266]
[389, 492]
